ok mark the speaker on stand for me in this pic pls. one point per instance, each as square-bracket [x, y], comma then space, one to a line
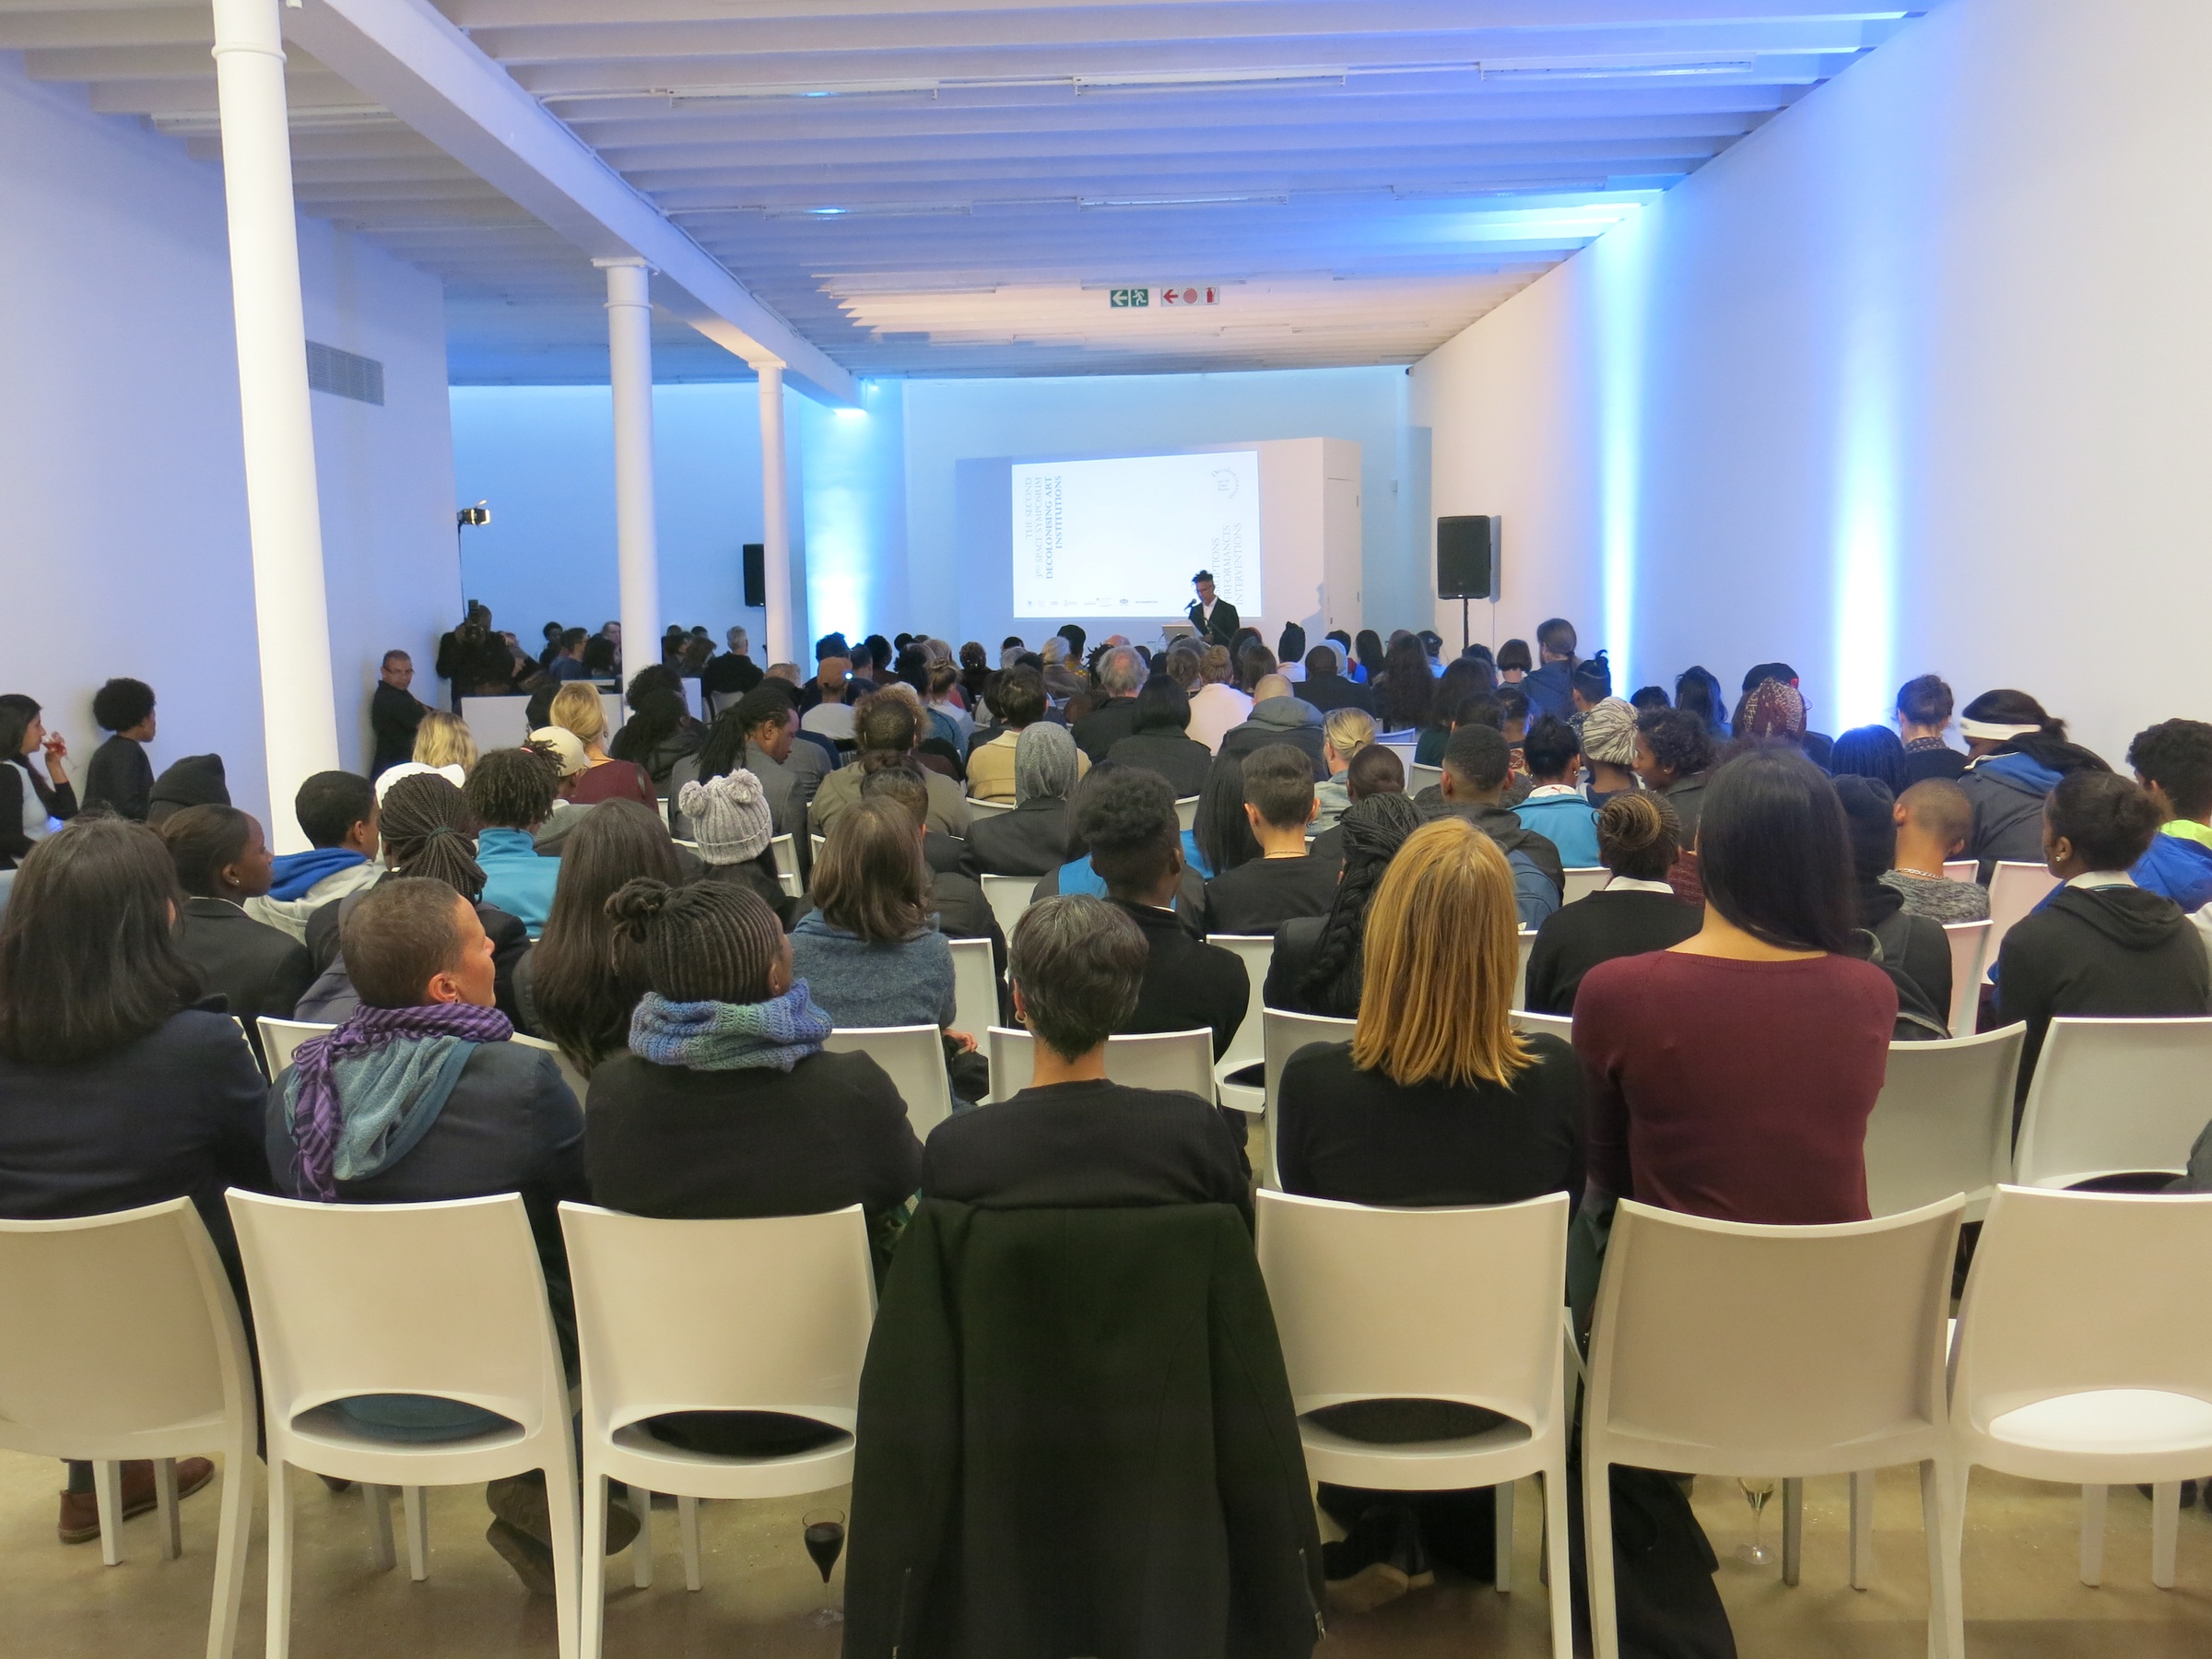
[1468, 558]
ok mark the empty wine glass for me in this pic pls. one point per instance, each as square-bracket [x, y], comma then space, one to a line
[1756, 1553]
[825, 1540]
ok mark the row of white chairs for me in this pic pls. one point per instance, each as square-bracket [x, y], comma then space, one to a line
[1186, 809]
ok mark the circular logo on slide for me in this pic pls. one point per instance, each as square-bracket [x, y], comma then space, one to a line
[1224, 480]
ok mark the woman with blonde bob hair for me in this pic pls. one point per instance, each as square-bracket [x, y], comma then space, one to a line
[576, 710]
[1435, 1102]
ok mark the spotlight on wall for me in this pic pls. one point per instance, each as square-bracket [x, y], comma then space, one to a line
[469, 516]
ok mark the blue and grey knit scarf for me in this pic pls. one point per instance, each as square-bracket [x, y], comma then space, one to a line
[718, 1036]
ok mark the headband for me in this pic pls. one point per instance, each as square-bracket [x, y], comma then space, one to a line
[1989, 733]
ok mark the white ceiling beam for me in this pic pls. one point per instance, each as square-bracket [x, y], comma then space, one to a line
[405, 56]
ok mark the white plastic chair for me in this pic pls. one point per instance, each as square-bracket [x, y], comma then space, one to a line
[1281, 1036]
[2013, 890]
[454, 1309]
[1402, 745]
[579, 1083]
[1961, 869]
[1182, 1060]
[983, 810]
[915, 1056]
[785, 848]
[1419, 777]
[1943, 1122]
[1008, 897]
[1559, 1025]
[2113, 1097]
[1721, 1349]
[1582, 882]
[280, 1037]
[974, 986]
[793, 1298]
[1249, 1046]
[2079, 1358]
[1356, 1324]
[1969, 941]
[127, 1344]
[1186, 812]
[1525, 942]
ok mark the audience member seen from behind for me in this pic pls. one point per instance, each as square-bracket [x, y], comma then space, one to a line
[33, 802]
[2018, 754]
[576, 709]
[869, 951]
[731, 829]
[1674, 754]
[1328, 687]
[117, 1089]
[1474, 773]
[1119, 673]
[727, 1103]
[1923, 713]
[222, 860]
[2101, 946]
[660, 730]
[1032, 839]
[1219, 706]
[1647, 698]
[2172, 761]
[1591, 683]
[1469, 677]
[337, 812]
[1405, 691]
[1608, 731]
[1636, 911]
[1870, 752]
[886, 727]
[1698, 691]
[1550, 689]
[1343, 733]
[581, 981]
[1731, 1075]
[1316, 965]
[1374, 770]
[953, 900]
[1435, 1102]
[1278, 716]
[1287, 879]
[1158, 738]
[511, 794]
[1554, 807]
[1911, 948]
[1771, 714]
[1514, 663]
[1018, 701]
[1222, 828]
[119, 777]
[1934, 819]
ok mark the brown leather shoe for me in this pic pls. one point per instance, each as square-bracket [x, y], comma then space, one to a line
[80, 1510]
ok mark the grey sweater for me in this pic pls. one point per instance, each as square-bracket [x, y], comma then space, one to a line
[859, 984]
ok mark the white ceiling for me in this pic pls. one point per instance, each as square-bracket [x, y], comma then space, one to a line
[921, 188]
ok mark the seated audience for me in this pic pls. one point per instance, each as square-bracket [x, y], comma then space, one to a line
[1674, 753]
[730, 826]
[1119, 672]
[1374, 770]
[117, 1088]
[394, 712]
[511, 794]
[33, 804]
[1435, 1102]
[2172, 761]
[1158, 738]
[1316, 965]
[1278, 716]
[1060, 682]
[1644, 699]
[443, 744]
[194, 781]
[1591, 684]
[1609, 730]
[1032, 839]
[1287, 879]
[1326, 686]
[729, 674]
[660, 730]
[868, 951]
[2018, 754]
[576, 709]
[1554, 807]
[947, 719]
[1634, 912]
[1475, 771]
[1912, 950]
[1367, 657]
[337, 812]
[1933, 821]
[886, 727]
[1343, 733]
[1731, 1075]
[222, 860]
[1467, 677]
[1018, 702]
[952, 898]
[1923, 713]
[760, 735]
[120, 778]
[1550, 689]
[580, 982]
[1870, 752]
[1776, 724]
[2100, 947]
[1405, 692]
[1514, 662]
[1219, 706]
[1698, 691]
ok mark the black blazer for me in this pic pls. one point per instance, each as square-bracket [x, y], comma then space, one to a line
[120, 778]
[1182, 759]
[255, 967]
[1104, 726]
[1223, 628]
[394, 715]
[1329, 692]
[1029, 841]
[1187, 983]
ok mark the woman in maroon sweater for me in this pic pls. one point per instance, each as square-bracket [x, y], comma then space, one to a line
[1732, 1075]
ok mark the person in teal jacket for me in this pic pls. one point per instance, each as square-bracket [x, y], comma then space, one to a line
[1556, 808]
[511, 792]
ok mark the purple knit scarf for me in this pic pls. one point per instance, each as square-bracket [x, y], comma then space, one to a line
[315, 1115]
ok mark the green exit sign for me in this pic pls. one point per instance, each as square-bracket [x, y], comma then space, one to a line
[1129, 298]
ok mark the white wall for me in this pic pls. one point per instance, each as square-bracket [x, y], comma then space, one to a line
[1918, 377]
[122, 488]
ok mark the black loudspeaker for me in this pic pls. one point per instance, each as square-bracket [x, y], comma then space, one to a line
[1467, 556]
[756, 576]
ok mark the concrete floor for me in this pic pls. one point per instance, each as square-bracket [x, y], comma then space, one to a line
[2022, 1596]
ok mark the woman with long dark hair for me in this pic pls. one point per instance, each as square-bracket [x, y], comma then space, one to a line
[868, 950]
[1870, 752]
[1698, 690]
[577, 987]
[2018, 754]
[1160, 739]
[1405, 691]
[1316, 965]
[1222, 831]
[660, 730]
[32, 802]
[1366, 655]
[1466, 677]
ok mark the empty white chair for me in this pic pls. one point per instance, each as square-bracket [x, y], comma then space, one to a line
[1583, 882]
[1969, 941]
[1961, 869]
[579, 1084]
[1559, 1025]
[1943, 1122]
[1356, 1324]
[1186, 811]
[1008, 897]
[2013, 890]
[793, 1298]
[785, 848]
[1182, 1060]
[2114, 1097]
[126, 1343]
[2075, 1360]
[1402, 745]
[454, 1309]
[1282, 1035]
[280, 1037]
[974, 986]
[982, 809]
[1249, 1046]
[1720, 1349]
[915, 1056]
[1525, 942]
[1419, 777]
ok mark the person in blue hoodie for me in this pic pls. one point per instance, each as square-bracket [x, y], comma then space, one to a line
[2172, 761]
[1556, 808]
[2020, 753]
[336, 810]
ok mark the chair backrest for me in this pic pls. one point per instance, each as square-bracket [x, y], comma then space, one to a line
[1961, 869]
[1943, 1122]
[1559, 1025]
[1249, 1046]
[1182, 1060]
[280, 1037]
[1583, 881]
[1968, 941]
[120, 1325]
[792, 1300]
[580, 1083]
[982, 809]
[1402, 745]
[2013, 890]
[1743, 1347]
[1356, 1326]
[446, 1299]
[2113, 1097]
[1419, 777]
[1008, 897]
[2075, 1291]
[974, 986]
[1281, 1036]
[1524, 943]
[915, 1056]
[785, 848]
[1186, 812]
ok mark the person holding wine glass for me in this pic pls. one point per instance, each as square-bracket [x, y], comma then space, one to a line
[33, 804]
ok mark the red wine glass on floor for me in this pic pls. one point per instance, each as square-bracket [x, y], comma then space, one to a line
[825, 1541]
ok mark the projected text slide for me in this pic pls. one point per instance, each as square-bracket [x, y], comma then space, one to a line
[1123, 537]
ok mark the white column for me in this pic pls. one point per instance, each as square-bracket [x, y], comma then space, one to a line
[300, 722]
[775, 519]
[629, 350]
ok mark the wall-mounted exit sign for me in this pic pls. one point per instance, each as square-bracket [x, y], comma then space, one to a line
[1128, 299]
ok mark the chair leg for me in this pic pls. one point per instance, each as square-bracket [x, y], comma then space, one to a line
[592, 1622]
[1862, 1528]
[1793, 1530]
[1559, 1574]
[419, 1532]
[2092, 1536]
[687, 1522]
[1597, 1541]
[2165, 1523]
[280, 1562]
[561, 1506]
[1501, 1549]
[640, 1548]
[379, 1501]
[107, 1497]
[165, 1508]
[232, 1531]
[1943, 1518]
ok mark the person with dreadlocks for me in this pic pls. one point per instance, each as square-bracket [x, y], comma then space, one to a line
[428, 831]
[1315, 966]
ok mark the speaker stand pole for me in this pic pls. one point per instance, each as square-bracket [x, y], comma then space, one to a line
[1463, 640]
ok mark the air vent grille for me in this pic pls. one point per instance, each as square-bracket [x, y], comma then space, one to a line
[345, 374]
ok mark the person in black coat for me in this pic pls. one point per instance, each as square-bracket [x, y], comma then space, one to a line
[1326, 688]
[1287, 879]
[1316, 967]
[121, 778]
[1215, 619]
[1160, 739]
[222, 860]
[1914, 947]
[1120, 671]
[1635, 913]
[394, 712]
[1032, 839]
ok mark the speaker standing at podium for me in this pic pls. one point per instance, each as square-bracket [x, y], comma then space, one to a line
[1216, 619]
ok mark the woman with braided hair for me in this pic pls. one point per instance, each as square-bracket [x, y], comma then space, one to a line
[1316, 965]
